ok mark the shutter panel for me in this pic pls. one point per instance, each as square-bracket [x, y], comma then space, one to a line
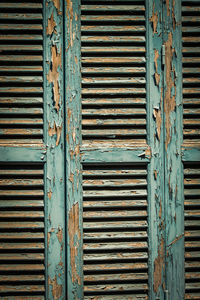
[21, 72]
[191, 62]
[113, 73]
[113, 57]
[115, 231]
[192, 230]
[22, 231]
[31, 139]
[22, 235]
[191, 123]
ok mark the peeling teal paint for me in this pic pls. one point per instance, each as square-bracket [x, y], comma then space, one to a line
[154, 23]
[23, 154]
[122, 154]
[174, 199]
[54, 139]
[73, 142]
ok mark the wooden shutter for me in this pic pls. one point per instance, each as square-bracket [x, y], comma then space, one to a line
[191, 123]
[31, 139]
[113, 57]
[21, 184]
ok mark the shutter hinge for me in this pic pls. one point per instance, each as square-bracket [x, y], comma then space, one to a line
[163, 55]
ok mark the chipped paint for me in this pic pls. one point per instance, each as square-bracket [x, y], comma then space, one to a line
[174, 204]
[49, 194]
[74, 240]
[157, 116]
[51, 25]
[53, 75]
[60, 235]
[157, 76]
[54, 138]
[56, 130]
[56, 288]
[154, 19]
[170, 93]
[156, 141]
[57, 4]
[159, 266]
[73, 142]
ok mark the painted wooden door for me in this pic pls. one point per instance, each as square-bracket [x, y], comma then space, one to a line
[99, 149]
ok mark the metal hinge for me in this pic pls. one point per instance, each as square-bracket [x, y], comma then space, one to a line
[163, 55]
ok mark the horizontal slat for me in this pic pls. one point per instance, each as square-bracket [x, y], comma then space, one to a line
[85, 50]
[21, 16]
[34, 225]
[113, 38]
[121, 8]
[119, 224]
[25, 79]
[23, 278]
[9, 236]
[111, 70]
[112, 18]
[118, 29]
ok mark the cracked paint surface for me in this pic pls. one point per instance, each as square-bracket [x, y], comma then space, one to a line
[55, 218]
[73, 142]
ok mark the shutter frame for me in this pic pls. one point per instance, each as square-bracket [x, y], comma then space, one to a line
[55, 149]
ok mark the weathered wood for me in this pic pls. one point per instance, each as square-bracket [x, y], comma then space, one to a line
[54, 139]
[174, 207]
[155, 116]
[73, 196]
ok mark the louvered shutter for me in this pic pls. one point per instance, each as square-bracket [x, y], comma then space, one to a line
[21, 185]
[191, 141]
[29, 229]
[113, 58]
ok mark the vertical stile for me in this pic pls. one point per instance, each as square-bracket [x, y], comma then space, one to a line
[174, 204]
[55, 167]
[156, 231]
[73, 141]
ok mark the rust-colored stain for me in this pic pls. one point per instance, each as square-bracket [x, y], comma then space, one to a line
[160, 210]
[74, 238]
[176, 239]
[158, 118]
[55, 130]
[70, 8]
[173, 16]
[57, 4]
[49, 194]
[69, 12]
[56, 288]
[60, 235]
[168, 9]
[51, 25]
[49, 236]
[53, 75]
[157, 76]
[148, 152]
[154, 19]
[169, 102]
[158, 267]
